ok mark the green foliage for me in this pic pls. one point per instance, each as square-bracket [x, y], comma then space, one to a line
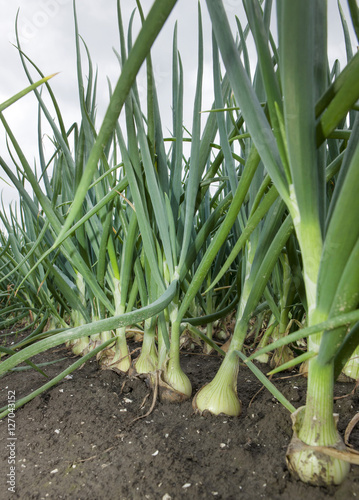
[121, 229]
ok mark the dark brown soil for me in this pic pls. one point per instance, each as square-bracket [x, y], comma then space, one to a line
[76, 441]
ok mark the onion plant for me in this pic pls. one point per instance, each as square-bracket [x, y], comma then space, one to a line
[292, 146]
[170, 213]
[220, 396]
[83, 265]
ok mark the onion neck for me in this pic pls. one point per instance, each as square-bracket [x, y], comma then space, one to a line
[147, 361]
[122, 358]
[318, 427]
[173, 373]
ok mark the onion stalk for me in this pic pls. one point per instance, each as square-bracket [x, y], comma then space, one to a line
[147, 361]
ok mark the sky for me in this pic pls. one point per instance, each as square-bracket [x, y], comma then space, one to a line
[46, 30]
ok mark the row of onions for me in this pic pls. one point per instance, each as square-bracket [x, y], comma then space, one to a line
[126, 231]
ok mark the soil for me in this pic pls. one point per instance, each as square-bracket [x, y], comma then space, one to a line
[78, 440]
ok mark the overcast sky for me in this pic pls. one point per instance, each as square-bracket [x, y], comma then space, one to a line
[46, 30]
